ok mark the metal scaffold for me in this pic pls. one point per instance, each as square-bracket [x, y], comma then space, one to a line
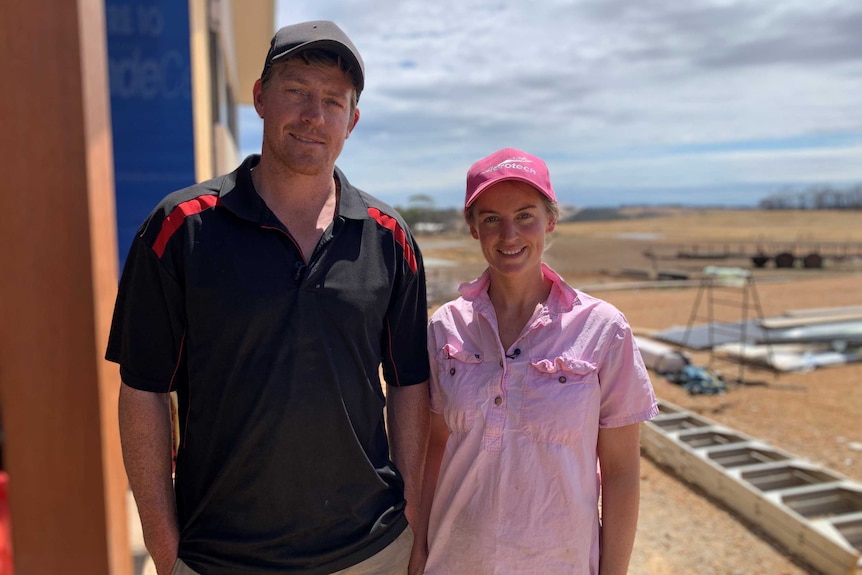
[733, 290]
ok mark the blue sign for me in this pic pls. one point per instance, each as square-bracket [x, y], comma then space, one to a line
[149, 63]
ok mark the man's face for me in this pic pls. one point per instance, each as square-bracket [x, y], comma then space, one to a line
[307, 116]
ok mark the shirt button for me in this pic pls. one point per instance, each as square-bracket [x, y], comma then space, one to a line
[452, 371]
[498, 400]
[562, 379]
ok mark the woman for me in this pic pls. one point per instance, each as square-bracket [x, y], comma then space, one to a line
[537, 392]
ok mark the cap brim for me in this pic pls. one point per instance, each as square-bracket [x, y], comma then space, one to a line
[488, 183]
[332, 46]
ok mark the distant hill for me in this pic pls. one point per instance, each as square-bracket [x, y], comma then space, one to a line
[607, 214]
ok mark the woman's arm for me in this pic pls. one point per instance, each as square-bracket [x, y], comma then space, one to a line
[619, 458]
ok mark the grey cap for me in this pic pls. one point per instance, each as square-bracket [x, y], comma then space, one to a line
[319, 34]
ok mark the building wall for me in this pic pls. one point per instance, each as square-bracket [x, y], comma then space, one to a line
[178, 72]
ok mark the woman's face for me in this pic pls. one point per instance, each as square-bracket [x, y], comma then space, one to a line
[510, 221]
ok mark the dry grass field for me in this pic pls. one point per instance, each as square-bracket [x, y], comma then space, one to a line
[814, 415]
[687, 224]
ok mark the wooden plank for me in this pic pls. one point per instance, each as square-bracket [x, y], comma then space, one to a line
[794, 321]
[823, 311]
[67, 485]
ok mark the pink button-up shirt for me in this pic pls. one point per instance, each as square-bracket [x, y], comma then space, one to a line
[518, 488]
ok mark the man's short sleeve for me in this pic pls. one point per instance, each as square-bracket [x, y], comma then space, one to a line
[148, 326]
[405, 355]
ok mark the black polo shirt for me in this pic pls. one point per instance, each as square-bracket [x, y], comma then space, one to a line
[283, 464]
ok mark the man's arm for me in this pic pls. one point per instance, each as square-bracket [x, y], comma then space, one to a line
[438, 436]
[619, 457]
[407, 422]
[145, 434]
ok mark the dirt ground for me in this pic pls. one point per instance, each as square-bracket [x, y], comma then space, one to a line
[815, 415]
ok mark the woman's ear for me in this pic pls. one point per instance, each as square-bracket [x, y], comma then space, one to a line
[552, 224]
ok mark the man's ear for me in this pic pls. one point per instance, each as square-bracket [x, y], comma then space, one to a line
[353, 123]
[257, 93]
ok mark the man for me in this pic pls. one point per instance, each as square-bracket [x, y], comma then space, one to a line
[267, 299]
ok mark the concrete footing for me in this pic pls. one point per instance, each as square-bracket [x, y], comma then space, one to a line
[813, 512]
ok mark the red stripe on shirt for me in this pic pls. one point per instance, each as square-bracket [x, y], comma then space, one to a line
[176, 218]
[391, 224]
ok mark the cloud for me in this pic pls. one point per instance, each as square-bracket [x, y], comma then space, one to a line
[616, 95]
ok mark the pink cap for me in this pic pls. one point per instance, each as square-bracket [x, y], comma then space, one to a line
[508, 164]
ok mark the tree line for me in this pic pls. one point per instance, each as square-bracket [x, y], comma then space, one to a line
[423, 216]
[821, 197]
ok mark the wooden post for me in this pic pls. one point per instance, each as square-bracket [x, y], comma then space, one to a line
[58, 258]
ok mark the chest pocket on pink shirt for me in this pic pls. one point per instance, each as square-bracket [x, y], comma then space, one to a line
[558, 397]
[459, 375]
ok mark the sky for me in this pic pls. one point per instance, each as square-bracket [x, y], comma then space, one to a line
[694, 102]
